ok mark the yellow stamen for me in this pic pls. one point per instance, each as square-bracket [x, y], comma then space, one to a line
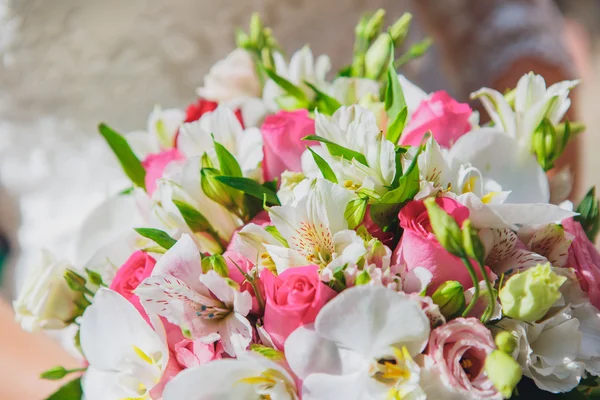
[469, 185]
[142, 355]
[488, 197]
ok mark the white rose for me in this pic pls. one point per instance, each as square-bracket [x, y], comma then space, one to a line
[46, 301]
[231, 78]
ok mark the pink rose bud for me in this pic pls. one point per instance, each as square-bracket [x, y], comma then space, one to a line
[138, 267]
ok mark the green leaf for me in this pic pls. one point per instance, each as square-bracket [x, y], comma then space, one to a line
[250, 187]
[130, 163]
[415, 51]
[394, 95]
[287, 86]
[275, 233]
[346, 71]
[159, 237]
[385, 211]
[355, 212]
[192, 217]
[70, 391]
[339, 151]
[395, 129]
[589, 216]
[324, 167]
[363, 278]
[57, 373]
[325, 103]
[227, 162]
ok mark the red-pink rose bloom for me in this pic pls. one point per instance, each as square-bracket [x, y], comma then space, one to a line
[385, 237]
[585, 260]
[419, 247]
[446, 118]
[293, 299]
[138, 267]
[155, 164]
[282, 141]
[458, 350]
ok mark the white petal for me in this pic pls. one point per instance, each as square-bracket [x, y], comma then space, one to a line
[250, 242]
[347, 387]
[285, 258]
[365, 319]
[501, 158]
[181, 261]
[215, 380]
[589, 325]
[236, 334]
[307, 353]
[530, 214]
[110, 328]
[99, 385]
[531, 88]
[413, 95]
[499, 110]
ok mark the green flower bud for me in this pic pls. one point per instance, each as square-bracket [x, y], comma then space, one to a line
[217, 263]
[450, 297]
[377, 58]
[506, 342]
[217, 191]
[504, 372]
[445, 228]
[471, 242]
[399, 30]
[75, 281]
[544, 144]
[242, 39]
[256, 29]
[374, 24]
[527, 296]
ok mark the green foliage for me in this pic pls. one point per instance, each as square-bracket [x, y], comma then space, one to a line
[588, 214]
[156, 235]
[129, 162]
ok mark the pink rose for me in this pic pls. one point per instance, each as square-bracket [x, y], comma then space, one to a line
[446, 118]
[155, 164]
[585, 260]
[293, 299]
[419, 247]
[282, 144]
[191, 353]
[457, 353]
[138, 267]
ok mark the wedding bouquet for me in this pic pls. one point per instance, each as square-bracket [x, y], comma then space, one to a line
[292, 237]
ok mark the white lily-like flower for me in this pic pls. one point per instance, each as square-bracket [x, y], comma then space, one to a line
[359, 347]
[355, 128]
[207, 306]
[313, 226]
[351, 90]
[181, 182]
[503, 160]
[196, 138]
[533, 103]
[247, 377]
[160, 133]
[302, 67]
[126, 356]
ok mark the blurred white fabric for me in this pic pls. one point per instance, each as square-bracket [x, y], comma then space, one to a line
[66, 65]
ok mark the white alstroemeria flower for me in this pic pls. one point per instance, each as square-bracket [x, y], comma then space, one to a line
[548, 350]
[45, 300]
[359, 348]
[231, 78]
[435, 173]
[160, 133]
[315, 229]
[181, 182]
[355, 128]
[533, 103]
[196, 138]
[503, 160]
[302, 67]
[207, 306]
[248, 377]
[126, 356]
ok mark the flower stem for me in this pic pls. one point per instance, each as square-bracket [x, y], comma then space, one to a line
[491, 308]
[473, 276]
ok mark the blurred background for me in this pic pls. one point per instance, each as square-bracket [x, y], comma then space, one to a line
[66, 65]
